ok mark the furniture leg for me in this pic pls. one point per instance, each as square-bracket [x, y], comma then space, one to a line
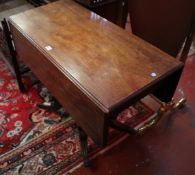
[124, 13]
[13, 55]
[84, 146]
[188, 40]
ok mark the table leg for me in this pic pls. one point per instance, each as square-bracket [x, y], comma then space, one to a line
[84, 146]
[14, 63]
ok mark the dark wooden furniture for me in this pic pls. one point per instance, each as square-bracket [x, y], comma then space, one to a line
[93, 67]
[37, 3]
[165, 24]
[13, 58]
[113, 10]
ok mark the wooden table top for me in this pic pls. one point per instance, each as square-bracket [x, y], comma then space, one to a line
[107, 63]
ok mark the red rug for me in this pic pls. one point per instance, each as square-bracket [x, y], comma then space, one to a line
[19, 116]
[45, 143]
[15, 110]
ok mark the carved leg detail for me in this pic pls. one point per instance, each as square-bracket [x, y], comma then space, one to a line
[84, 146]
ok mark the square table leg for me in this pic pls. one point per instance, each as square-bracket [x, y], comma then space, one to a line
[84, 146]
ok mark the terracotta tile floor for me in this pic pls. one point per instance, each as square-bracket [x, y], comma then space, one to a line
[167, 149]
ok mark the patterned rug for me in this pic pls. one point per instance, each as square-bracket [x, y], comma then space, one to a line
[19, 114]
[34, 141]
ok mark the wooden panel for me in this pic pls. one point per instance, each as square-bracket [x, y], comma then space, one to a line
[90, 118]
